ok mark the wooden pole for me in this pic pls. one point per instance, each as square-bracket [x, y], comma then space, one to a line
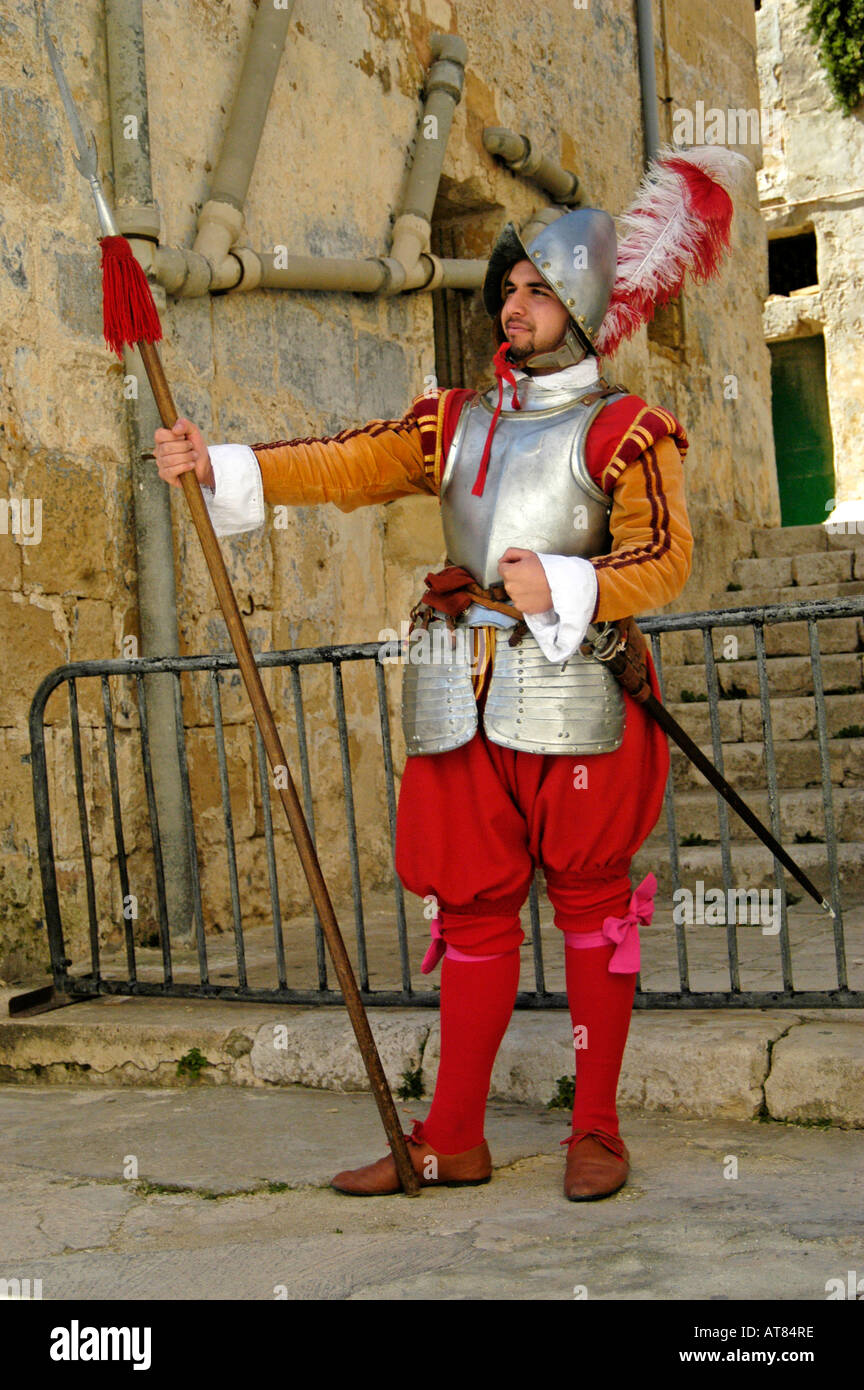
[288, 793]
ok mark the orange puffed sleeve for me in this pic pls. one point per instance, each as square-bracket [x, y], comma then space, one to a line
[652, 544]
[377, 462]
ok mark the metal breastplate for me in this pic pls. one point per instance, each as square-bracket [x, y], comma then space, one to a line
[538, 496]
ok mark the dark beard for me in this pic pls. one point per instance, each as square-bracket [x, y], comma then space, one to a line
[520, 354]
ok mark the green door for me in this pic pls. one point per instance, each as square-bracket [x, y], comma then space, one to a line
[802, 430]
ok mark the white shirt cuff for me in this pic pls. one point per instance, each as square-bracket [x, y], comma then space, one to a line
[561, 630]
[237, 502]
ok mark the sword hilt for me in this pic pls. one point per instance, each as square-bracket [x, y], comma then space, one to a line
[621, 648]
[605, 640]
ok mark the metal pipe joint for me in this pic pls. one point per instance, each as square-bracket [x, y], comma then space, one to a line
[517, 153]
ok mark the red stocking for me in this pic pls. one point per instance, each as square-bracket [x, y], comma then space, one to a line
[600, 1008]
[477, 998]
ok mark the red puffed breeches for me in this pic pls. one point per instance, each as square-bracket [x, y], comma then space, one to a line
[474, 822]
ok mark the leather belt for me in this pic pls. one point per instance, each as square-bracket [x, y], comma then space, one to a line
[494, 597]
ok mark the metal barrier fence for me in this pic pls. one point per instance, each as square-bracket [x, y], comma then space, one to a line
[106, 974]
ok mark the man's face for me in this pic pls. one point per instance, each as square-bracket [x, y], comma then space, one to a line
[533, 318]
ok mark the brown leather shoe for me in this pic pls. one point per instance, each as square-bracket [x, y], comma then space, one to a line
[597, 1165]
[467, 1169]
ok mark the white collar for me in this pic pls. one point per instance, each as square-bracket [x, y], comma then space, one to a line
[580, 374]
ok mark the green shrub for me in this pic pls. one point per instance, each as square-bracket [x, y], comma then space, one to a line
[192, 1064]
[837, 28]
[411, 1087]
[565, 1091]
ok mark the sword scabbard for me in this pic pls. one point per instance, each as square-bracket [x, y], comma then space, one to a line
[622, 648]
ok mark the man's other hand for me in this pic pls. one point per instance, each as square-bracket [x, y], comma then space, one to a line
[525, 580]
[182, 448]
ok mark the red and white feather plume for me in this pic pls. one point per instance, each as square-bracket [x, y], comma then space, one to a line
[678, 222]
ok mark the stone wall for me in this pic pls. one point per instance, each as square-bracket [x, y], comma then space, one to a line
[327, 181]
[813, 177]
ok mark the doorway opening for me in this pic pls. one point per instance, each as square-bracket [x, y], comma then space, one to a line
[802, 430]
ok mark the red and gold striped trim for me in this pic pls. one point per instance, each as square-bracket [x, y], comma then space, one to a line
[427, 412]
[372, 430]
[661, 536]
[650, 424]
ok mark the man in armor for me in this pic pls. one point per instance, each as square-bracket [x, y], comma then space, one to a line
[562, 504]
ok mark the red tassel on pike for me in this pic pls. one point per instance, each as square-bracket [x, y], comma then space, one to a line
[129, 315]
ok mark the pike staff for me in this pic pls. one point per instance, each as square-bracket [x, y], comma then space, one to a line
[130, 318]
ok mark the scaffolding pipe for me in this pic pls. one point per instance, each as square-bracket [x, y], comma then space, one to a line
[220, 222]
[217, 263]
[647, 77]
[516, 152]
[243, 135]
[187, 275]
[154, 542]
[412, 229]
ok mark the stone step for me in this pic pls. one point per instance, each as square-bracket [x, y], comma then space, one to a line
[831, 567]
[848, 535]
[801, 814]
[781, 639]
[695, 720]
[793, 717]
[803, 540]
[842, 674]
[788, 540]
[749, 598]
[763, 574]
[803, 571]
[797, 765]
[753, 867]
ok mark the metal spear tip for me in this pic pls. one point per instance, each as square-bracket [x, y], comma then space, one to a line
[86, 163]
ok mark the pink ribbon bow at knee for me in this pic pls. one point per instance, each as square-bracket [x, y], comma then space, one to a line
[437, 948]
[622, 932]
[440, 948]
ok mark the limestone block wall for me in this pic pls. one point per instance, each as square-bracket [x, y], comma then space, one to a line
[813, 176]
[268, 364]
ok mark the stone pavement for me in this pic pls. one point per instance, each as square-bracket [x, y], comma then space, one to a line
[180, 1149]
[789, 1064]
[208, 1216]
